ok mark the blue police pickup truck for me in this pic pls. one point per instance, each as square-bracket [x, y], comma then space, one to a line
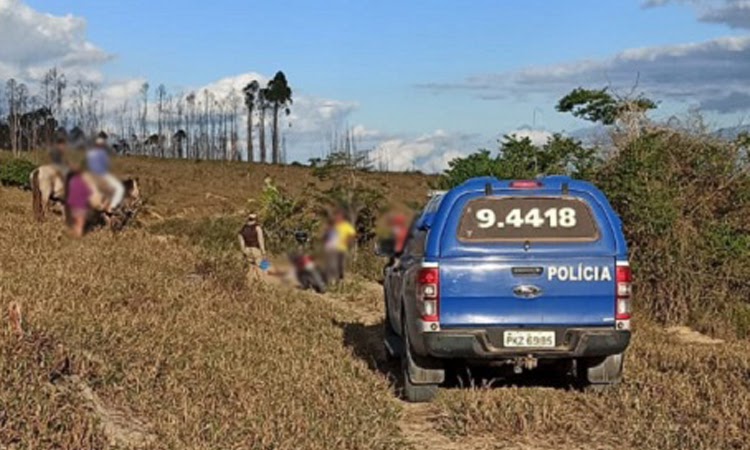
[518, 273]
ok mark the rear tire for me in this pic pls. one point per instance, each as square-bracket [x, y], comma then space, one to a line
[599, 374]
[414, 393]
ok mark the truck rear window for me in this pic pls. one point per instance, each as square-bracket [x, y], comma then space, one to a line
[514, 219]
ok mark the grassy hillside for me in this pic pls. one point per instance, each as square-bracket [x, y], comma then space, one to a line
[186, 188]
[142, 340]
[178, 343]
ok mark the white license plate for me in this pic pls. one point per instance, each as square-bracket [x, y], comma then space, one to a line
[529, 339]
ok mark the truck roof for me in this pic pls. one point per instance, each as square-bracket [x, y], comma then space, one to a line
[435, 215]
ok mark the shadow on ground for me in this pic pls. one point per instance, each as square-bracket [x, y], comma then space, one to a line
[366, 342]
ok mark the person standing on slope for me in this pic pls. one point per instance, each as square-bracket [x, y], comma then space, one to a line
[98, 163]
[252, 241]
[77, 202]
[339, 238]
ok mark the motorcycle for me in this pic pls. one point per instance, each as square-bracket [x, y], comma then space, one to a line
[304, 265]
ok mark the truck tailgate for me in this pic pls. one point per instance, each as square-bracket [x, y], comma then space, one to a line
[571, 291]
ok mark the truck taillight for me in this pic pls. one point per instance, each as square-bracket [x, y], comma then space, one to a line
[624, 281]
[428, 294]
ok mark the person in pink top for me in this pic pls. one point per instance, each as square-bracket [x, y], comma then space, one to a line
[77, 202]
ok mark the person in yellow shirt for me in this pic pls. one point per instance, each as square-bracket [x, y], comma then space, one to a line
[339, 239]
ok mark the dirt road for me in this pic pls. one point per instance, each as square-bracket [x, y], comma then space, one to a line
[362, 314]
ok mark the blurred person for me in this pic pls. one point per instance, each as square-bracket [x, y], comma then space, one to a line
[339, 238]
[78, 202]
[99, 165]
[399, 229]
[58, 154]
[252, 241]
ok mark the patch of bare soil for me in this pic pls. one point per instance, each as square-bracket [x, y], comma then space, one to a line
[687, 335]
[121, 429]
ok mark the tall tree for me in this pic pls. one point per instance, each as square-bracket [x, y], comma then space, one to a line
[53, 87]
[234, 101]
[144, 117]
[11, 92]
[251, 92]
[598, 105]
[262, 106]
[161, 93]
[189, 122]
[279, 96]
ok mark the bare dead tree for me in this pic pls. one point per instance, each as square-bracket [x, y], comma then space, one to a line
[144, 116]
[234, 108]
[11, 92]
[262, 107]
[161, 93]
[189, 122]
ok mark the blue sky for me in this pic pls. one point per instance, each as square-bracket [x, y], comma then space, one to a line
[412, 69]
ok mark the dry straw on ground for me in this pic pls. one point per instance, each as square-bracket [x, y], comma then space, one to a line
[146, 342]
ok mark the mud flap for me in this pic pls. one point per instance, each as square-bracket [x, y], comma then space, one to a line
[609, 371]
[424, 370]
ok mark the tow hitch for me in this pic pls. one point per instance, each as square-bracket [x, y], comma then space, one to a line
[524, 362]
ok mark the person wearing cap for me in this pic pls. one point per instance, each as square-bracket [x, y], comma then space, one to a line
[98, 163]
[252, 241]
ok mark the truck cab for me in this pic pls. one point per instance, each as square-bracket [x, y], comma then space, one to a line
[516, 272]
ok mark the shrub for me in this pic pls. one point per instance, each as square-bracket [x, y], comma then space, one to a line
[281, 215]
[685, 203]
[16, 172]
[349, 192]
[520, 158]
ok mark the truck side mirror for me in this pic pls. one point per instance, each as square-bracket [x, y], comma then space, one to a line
[385, 247]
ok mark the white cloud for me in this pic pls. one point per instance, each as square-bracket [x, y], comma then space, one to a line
[427, 153]
[224, 86]
[696, 73]
[537, 137]
[31, 42]
[116, 93]
[362, 132]
[733, 13]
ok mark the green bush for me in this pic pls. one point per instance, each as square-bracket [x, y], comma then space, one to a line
[520, 158]
[281, 215]
[16, 172]
[685, 203]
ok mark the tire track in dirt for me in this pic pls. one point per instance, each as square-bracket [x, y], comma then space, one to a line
[417, 422]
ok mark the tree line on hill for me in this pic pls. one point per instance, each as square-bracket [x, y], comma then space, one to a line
[198, 125]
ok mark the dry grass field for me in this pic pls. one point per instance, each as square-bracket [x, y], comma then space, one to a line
[143, 340]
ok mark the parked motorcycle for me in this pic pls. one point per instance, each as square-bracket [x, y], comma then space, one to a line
[304, 265]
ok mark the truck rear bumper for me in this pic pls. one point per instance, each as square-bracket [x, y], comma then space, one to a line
[488, 343]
